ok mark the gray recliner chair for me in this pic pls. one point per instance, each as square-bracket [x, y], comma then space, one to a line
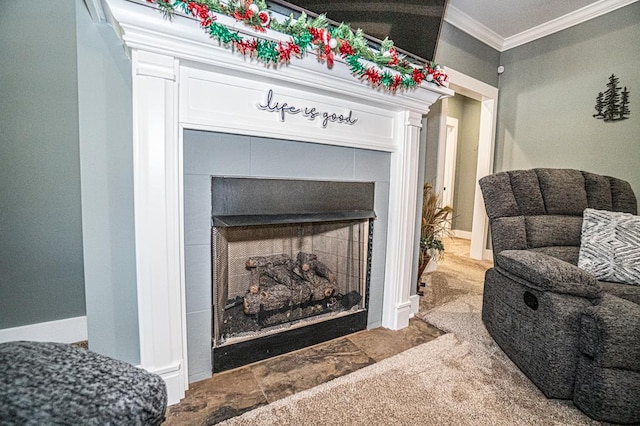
[574, 336]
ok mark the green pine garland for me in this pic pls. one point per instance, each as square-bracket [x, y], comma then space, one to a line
[305, 34]
[267, 52]
[223, 34]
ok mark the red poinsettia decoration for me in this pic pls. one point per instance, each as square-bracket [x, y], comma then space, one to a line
[372, 75]
[288, 49]
[264, 18]
[394, 57]
[314, 35]
[201, 11]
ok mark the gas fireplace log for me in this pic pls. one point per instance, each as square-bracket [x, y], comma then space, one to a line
[311, 284]
[266, 282]
[253, 297]
[314, 278]
[254, 279]
[282, 275]
[252, 303]
[275, 297]
[309, 262]
[274, 260]
[300, 290]
[277, 281]
[302, 294]
[322, 291]
[322, 287]
[322, 270]
[305, 259]
[263, 282]
[298, 271]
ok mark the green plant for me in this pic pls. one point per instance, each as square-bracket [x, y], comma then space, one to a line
[436, 223]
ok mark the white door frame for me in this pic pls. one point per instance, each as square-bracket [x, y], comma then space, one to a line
[450, 153]
[487, 95]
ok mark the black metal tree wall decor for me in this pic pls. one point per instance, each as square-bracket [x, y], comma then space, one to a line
[612, 105]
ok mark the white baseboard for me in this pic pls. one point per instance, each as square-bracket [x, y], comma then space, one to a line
[488, 255]
[415, 305]
[461, 234]
[69, 330]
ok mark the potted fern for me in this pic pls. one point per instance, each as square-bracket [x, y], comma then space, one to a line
[436, 223]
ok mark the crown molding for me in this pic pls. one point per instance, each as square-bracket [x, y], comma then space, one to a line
[466, 23]
[475, 29]
[579, 16]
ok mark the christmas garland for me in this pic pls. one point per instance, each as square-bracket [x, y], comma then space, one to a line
[306, 34]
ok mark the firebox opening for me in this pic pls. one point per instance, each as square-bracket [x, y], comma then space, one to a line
[282, 286]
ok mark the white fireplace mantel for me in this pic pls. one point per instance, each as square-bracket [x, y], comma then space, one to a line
[182, 79]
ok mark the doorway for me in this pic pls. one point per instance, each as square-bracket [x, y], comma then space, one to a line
[488, 97]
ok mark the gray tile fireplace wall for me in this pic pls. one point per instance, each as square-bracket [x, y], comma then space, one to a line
[207, 154]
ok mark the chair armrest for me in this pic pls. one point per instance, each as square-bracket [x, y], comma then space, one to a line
[548, 273]
[610, 333]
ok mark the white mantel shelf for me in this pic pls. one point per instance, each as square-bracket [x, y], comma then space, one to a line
[182, 79]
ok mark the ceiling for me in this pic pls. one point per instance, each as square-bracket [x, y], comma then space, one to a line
[504, 24]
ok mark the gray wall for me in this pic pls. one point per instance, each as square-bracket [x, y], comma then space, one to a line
[548, 93]
[41, 267]
[467, 111]
[106, 166]
[432, 146]
[66, 169]
[206, 154]
[463, 53]
[422, 177]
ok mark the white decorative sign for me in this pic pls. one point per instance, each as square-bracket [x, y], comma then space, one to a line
[283, 108]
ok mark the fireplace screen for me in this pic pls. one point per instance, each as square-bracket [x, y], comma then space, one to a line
[284, 259]
[271, 277]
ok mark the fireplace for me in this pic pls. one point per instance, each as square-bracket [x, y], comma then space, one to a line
[290, 264]
[184, 82]
[269, 160]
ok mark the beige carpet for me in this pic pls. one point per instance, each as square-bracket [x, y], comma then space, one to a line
[461, 378]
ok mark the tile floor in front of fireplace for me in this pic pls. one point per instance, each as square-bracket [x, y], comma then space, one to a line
[234, 392]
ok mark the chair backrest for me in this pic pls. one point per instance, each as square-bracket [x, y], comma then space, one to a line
[541, 209]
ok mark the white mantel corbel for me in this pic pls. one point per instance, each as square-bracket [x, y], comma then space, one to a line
[179, 75]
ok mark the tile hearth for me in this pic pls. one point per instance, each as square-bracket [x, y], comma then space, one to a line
[234, 392]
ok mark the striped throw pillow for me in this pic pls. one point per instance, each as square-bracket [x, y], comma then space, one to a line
[610, 246]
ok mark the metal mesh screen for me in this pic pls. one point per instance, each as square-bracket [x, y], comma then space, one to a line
[341, 246]
[219, 276]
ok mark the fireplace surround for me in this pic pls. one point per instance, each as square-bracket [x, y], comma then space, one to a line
[207, 154]
[182, 81]
[290, 261]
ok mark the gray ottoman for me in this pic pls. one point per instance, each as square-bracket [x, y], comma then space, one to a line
[55, 383]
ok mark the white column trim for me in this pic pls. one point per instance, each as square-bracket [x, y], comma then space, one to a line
[396, 309]
[156, 158]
